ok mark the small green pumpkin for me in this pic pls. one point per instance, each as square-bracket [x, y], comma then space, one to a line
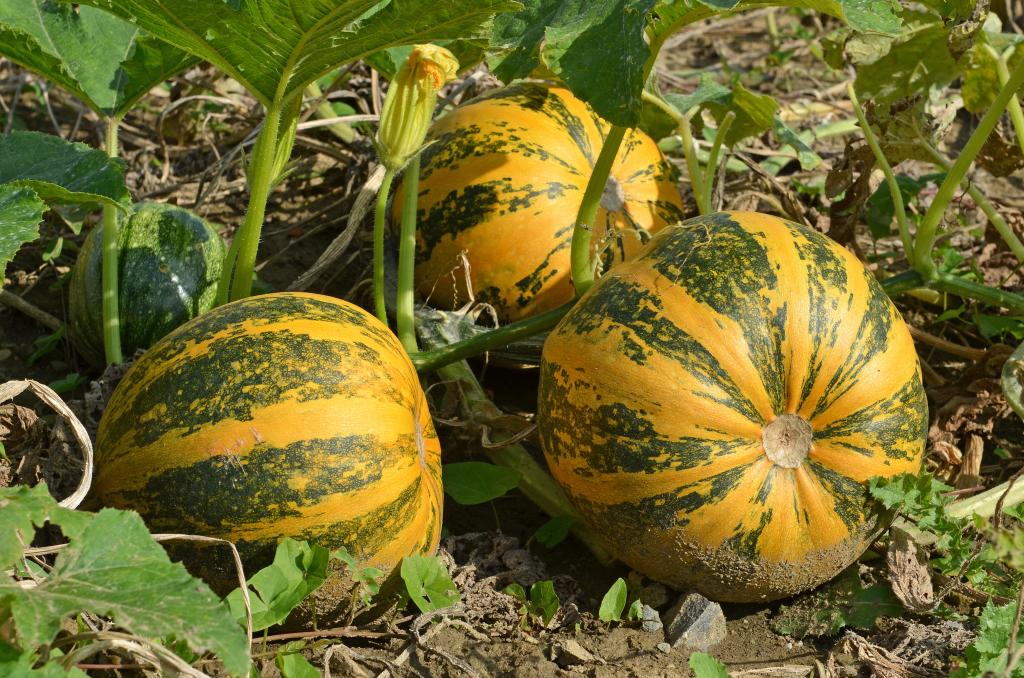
[170, 262]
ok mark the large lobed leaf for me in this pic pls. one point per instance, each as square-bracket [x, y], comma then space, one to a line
[113, 568]
[596, 46]
[600, 48]
[275, 48]
[61, 171]
[21, 212]
[105, 61]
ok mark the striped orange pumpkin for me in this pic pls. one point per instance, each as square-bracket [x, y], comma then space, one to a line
[283, 415]
[715, 406]
[502, 183]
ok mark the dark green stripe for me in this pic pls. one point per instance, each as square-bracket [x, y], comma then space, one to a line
[636, 319]
[621, 439]
[871, 339]
[226, 490]
[901, 420]
[237, 375]
[723, 266]
[476, 204]
[850, 497]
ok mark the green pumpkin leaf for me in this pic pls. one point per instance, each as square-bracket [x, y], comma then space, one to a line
[554, 532]
[917, 60]
[755, 113]
[22, 509]
[105, 61]
[276, 48]
[597, 47]
[544, 602]
[613, 602]
[989, 654]
[805, 154]
[60, 171]
[707, 91]
[476, 482]
[298, 570]
[428, 583]
[705, 666]
[113, 568]
[21, 212]
[291, 664]
[872, 16]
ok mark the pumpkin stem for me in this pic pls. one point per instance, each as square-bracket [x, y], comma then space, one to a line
[110, 263]
[787, 440]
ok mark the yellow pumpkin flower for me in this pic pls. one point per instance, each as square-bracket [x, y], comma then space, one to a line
[409, 105]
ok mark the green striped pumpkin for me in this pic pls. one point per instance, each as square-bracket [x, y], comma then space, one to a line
[502, 180]
[715, 406]
[282, 415]
[169, 265]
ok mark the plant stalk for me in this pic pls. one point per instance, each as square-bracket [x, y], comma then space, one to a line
[1016, 114]
[534, 481]
[237, 275]
[582, 268]
[890, 177]
[682, 121]
[711, 171]
[379, 218]
[984, 503]
[405, 303]
[951, 284]
[927, 230]
[435, 359]
[345, 133]
[111, 262]
[986, 206]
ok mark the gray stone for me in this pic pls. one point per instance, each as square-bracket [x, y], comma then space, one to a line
[650, 621]
[695, 622]
[570, 653]
[664, 647]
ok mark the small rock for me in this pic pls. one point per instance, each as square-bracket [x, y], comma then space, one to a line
[696, 622]
[570, 653]
[651, 622]
[664, 647]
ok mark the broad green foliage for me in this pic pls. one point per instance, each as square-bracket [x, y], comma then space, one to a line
[918, 59]
[614, 602]
[755, 113]
[476, 482]
[554, 532]
[428, 584]
[38, 168]
[989, 654]
[292, 664]
[298, 570]
[596, 47]
[705, 666]
[602, 50]
[59, 171]
[275, 48]
[540, 605]
[980, 79]
[112, 568]
[21, 212]
[961, 544]
[106, 62]
[24, 508]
